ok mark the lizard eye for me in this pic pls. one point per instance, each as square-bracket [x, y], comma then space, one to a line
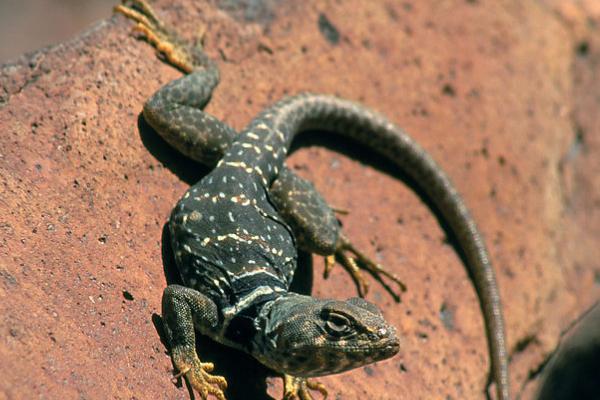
[337, 325]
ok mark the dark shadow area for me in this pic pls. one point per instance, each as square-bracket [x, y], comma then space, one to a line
[303, 277]
[246, 377]
[158, 325]
[189, 171]
[573, 371]
[168, 258]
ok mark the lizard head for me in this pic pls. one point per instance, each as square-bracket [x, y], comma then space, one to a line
[305, 337]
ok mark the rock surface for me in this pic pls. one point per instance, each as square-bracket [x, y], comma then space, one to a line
[503, 94]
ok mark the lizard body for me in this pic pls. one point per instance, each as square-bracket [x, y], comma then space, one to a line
[235, 233]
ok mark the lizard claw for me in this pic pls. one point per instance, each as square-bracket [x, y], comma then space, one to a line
[167, 42]
[197, 374]
[353, 269]
[352, 261]
[296, 388]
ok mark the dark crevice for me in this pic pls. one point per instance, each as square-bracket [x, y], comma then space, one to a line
[329, 31]
[583, 48]
[575, 150]
[524, 343]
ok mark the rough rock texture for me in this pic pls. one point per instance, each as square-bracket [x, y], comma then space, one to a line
[503, 94]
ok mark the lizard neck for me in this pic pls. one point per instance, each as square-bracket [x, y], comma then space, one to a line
[269, 320]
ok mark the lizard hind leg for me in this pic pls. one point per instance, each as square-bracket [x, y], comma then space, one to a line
[175, 50]
[296, 388]
[176, 110]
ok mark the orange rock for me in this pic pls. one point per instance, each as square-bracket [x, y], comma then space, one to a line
[496, 91]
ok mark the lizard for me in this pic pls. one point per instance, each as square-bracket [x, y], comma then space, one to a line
[235, 233]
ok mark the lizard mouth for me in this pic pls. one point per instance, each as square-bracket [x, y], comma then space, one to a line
[338, 358]
[387, 344]
[379, 350]
[385, 349]
[391, 348]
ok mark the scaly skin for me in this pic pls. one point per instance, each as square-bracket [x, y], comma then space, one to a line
[235, 233]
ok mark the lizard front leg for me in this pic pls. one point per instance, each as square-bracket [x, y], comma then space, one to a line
[350, 257]
[180, 306]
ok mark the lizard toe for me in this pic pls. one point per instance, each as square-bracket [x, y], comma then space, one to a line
[198, 374]
[354, 260]
[296, 388]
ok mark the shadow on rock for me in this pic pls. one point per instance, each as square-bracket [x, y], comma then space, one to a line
[573, 371]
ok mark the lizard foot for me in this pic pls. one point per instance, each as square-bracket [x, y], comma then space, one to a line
[167, 42]
[352, 261]
[296, 388]
[197, 373]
